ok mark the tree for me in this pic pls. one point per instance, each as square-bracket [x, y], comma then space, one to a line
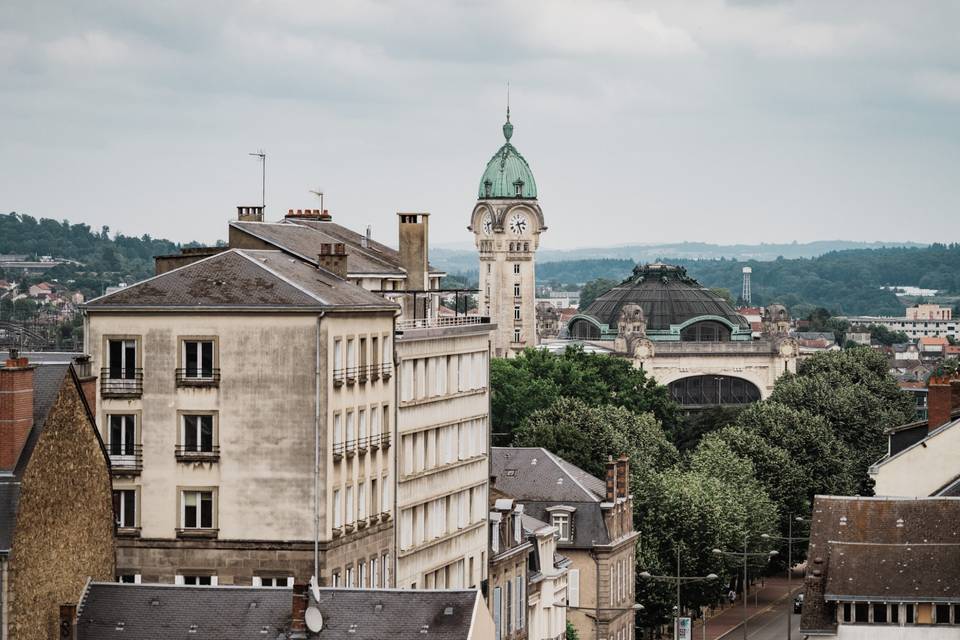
[587, 436]
[854, 394]
[594, 289]
[693, 426]
[885, 336]
[514, 395]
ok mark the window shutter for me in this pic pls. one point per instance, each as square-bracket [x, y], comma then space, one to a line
[573, 588]
[521, 601]
[496, 611]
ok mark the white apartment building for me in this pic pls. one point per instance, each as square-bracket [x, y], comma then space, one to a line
[920, 321]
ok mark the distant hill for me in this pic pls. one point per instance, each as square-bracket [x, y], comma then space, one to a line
[104, 260]
[460, 258]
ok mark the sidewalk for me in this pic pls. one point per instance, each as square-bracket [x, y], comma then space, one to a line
[773, 591]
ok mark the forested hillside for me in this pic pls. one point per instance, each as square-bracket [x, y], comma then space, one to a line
[105, 259]
[845, 282]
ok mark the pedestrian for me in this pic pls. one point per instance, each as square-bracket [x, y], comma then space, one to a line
[732, 596]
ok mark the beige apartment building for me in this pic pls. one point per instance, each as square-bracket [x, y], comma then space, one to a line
[247, 402]
[442, 419]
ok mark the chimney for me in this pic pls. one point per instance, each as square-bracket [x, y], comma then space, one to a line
[943, 398]
[16, 408]
[365, 240]
[325, 216]
[413, 249]
[333, 258]
[623, 475]
[298, 611]
[611, 480]
[250, 214]
[68, 621]
[306, 214]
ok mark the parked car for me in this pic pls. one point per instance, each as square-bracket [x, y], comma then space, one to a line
[798, 603]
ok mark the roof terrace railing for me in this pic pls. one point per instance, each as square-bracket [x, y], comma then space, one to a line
[440, 322]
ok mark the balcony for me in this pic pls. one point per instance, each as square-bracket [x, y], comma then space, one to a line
[385, 441]
[338, 450]
[193, 532]
[124, 383]
[197, 377]
[441, 322]
[386, 370]
[185, 454]
[126, 459]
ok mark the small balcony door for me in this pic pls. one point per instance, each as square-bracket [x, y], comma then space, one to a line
[123, 440]
[123, 362]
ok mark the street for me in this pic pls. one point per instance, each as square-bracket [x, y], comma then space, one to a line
[770, 625]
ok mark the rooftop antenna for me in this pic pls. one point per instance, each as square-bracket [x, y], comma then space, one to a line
[262, 155]
[319, 193]
[508, 101]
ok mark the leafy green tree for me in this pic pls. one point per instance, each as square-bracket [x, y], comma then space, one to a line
[594, 289]
[691, 427]
[885, 336]
[572, 632]
[855, 395]
[515, 394]
[587, 436]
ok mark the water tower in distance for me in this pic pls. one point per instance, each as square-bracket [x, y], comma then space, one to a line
[746, 285]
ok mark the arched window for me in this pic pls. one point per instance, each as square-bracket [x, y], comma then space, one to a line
[706, 331]
[584, 330]
[712, 391]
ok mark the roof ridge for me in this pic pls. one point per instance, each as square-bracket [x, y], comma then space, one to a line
[560, 462]
[358, 249]
[296, 285]
[160, 275]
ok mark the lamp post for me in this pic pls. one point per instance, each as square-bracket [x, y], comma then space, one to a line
[790, 538]
[678, 579]
[745, 555]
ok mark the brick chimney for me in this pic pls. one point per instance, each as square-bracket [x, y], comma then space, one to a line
[68, 621]
[333, 258]
[611, 480]
[298, 611]
[16, 408]
[623, 476]
[308, 214]
[943, 398]
[250, 214]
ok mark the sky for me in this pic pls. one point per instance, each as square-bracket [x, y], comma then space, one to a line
[643, 122]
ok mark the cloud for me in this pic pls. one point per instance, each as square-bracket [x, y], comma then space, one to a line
[938, 85]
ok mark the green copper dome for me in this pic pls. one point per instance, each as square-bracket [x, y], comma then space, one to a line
[507, 175]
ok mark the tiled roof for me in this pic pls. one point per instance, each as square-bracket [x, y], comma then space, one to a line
[243, 279]
[165, 612]
[894, 549]
[934, 341]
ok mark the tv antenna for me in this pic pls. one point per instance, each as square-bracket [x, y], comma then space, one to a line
[319, 193]
[262, 155]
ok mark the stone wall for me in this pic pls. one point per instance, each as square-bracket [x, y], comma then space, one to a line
[65, 525]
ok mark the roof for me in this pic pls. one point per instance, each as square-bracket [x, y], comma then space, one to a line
[243, 279]
[888, 549]
[507, 170]
[668, 298]
[166, 612]
[303, 238]
[541, 480]
[934, 341]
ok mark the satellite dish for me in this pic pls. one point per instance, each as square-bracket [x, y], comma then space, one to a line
[314, 620]
[315, 588]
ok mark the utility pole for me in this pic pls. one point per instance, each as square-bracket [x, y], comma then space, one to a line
[789, 540]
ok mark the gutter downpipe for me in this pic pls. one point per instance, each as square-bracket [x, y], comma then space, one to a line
[316, 462]
[395, 436]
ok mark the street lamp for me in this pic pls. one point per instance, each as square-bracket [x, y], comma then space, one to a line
[745, 556]
[679, 579]
[790, 538]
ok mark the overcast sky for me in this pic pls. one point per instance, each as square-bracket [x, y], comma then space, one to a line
[642, 121]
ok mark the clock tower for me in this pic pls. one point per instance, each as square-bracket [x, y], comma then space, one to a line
[507, 223]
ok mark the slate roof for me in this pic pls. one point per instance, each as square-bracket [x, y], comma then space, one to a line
[47, 381]
[243, 279]
[881, 549]
[170, 612]
[304, 237]
[541, 480]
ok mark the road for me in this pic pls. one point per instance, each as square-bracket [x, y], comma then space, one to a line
[770, 625]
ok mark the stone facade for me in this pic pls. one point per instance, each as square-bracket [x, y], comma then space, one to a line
[508, 584]
[56, 546]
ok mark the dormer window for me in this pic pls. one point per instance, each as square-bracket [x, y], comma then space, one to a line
[487, 186]
[518, 188]
[562, 522]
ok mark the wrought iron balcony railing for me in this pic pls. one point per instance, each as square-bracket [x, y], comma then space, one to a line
[198, 377]
[123, 383]
[192, 454]
[126, 458]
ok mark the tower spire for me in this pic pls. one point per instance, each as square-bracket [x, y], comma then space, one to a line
[507, 127]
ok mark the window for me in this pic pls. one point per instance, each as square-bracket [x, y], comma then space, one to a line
[123, 440]
[128, 578]
[943, 614]
[509, 613]
[198, 358]
[362, 420]
[516, 312]
[374, 497]
[335, 582]
[274, 582]
[337, 356]
[125, 507]
[349, 577]
[908, 608]
[351, 357]
[337, 430]
[518, 188]
[516, 290]
[375, 425]
[362, 501]
[387, 356]
[193, 580]
[879, 613]
[337, 509]
[361, 574]
[521, 604]
[516, 268]
[497, 604]
[197, 511]
[516, 335]
[348, 507]
[385, 501]
[374, 574]
[386, 420]
[122, 355]
[197, 435]
[562, 522]
[386, 569]
[573, 588]
[862, 612]
[350, 433]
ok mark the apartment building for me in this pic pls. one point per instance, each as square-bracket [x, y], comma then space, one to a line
[594, 523]
[919, 321]
[442, 419]
[247, 401]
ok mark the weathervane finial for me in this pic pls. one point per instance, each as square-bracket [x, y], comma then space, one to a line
[507, 127]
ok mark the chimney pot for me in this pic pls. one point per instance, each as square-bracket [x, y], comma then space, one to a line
[611, 478]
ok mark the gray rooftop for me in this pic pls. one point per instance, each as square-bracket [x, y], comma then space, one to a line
[243, 279]
[168, 612]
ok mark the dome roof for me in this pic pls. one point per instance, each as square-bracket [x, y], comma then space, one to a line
[506, 171]
[668, 297]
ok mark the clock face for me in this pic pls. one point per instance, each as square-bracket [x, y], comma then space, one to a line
[518, 223]
[487, 224]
